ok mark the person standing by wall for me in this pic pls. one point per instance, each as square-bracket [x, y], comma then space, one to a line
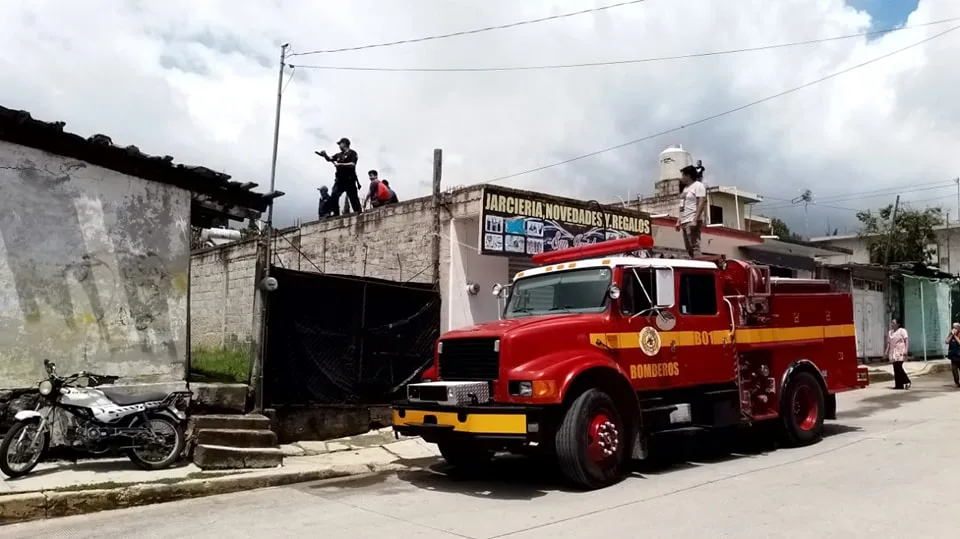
[897, 346]
[693, 203]
[346, 181]
[953, 352]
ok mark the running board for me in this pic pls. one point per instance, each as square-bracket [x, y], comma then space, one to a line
[681, 430]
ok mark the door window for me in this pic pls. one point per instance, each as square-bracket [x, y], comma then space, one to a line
[638, 292]
[698, 294]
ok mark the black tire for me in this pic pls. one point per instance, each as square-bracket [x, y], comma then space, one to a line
[802, 410]
[575, 444]
[181, 442]
[464, 456]
[12, 435]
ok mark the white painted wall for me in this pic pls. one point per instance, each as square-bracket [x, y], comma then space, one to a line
[93, 270]
[468, 266]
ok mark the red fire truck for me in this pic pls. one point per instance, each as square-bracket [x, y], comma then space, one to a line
[598, 352]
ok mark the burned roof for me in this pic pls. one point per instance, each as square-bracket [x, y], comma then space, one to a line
[215, 195]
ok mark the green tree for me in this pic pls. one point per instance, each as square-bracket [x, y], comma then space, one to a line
[781, 230]
[906, 240]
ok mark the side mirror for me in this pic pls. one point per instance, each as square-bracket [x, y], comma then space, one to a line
[613, 292]
[666, 291]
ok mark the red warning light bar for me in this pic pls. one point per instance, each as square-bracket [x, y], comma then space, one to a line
[595, 250]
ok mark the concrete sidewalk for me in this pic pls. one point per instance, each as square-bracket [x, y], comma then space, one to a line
[883, 372]
[62, 489]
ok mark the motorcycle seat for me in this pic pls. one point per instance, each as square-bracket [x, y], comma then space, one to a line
[122, 398]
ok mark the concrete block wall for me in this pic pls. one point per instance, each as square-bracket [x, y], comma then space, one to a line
[392, 243]
[222, 289]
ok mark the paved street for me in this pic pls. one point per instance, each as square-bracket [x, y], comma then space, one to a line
[890, 467]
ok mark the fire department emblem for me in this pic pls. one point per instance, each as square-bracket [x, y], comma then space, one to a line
[649, 341]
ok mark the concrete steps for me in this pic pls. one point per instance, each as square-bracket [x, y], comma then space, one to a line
[224, 442]
[219, 457]
[237, 437]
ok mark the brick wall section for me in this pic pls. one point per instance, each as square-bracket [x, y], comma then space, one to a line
[392, 243]
[221, 294]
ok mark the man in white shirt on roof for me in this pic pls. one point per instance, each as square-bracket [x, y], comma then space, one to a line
[693, 203]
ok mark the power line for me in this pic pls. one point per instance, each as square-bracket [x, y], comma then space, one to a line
[724, 113]
[474, 31]
[889, 191]
[619, 62]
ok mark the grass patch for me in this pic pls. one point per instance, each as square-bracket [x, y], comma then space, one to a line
[224, 364]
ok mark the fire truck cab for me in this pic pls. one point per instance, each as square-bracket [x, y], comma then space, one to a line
[598, 352]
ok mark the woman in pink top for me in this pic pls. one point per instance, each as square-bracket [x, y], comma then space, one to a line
[897, 341]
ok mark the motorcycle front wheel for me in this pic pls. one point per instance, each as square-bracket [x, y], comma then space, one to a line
[163, 443]
[23, 448]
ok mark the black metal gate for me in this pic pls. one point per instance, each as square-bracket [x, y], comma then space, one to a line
[334, 339]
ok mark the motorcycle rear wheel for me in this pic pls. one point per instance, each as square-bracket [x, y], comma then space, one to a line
[12, 436]
[172, 454]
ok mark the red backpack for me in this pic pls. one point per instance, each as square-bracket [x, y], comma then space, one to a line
[383, 192]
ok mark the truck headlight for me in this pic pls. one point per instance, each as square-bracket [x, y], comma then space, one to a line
[535, 388]
[45, 388]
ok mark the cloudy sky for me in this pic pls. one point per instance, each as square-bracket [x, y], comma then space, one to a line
[197, 80]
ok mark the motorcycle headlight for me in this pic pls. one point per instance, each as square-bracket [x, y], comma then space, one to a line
[46, 387]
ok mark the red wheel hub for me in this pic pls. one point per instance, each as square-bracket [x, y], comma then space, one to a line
[603, 438]
[805, 408]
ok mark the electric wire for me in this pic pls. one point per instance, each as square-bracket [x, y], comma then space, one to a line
[726, 112]
[890, 191]
[621, 62]
[473, 31]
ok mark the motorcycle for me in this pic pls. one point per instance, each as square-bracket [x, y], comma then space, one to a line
[148, 428]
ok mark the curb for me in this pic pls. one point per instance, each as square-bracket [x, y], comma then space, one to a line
[884, 376]
[61, 503]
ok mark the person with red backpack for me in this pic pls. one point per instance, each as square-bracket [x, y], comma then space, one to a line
[379, 193]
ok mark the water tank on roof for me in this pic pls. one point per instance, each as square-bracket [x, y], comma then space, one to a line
[672, 160]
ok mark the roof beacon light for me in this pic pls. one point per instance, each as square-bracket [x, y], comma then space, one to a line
[595, 250]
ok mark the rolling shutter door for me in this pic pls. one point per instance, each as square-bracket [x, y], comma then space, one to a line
[518, 264]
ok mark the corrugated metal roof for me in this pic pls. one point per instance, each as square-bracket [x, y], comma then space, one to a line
[19, 127]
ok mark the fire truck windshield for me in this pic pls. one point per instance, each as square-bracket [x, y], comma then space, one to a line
[571, 291]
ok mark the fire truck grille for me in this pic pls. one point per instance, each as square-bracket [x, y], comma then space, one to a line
[470, 359]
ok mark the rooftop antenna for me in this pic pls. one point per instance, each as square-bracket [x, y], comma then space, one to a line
[806, 198]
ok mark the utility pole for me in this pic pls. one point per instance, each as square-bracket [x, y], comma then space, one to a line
[893, 226]
[957, 181]
[437, 175]
[266, 235]
[276, 131]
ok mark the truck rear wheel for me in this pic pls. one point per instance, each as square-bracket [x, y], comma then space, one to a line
[463, 455]
[591, 441]
[802, 410]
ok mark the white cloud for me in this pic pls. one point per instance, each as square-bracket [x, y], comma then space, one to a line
[197, 80]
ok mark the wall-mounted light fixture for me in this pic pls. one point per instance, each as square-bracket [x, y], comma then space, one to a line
[473, 289]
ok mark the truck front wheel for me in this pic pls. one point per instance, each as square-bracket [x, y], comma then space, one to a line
[803, 409]
[464, 455]
[591, 442]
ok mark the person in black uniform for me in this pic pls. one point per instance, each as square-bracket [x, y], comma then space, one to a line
[324, 199]
[345, 181]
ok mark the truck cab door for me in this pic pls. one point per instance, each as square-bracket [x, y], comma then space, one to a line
[646, 293]
[701, 336]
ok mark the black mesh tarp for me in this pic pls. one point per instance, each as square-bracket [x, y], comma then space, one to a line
[345, 340]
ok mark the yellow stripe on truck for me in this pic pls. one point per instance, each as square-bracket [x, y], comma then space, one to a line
[474, 423]
[719, 337]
